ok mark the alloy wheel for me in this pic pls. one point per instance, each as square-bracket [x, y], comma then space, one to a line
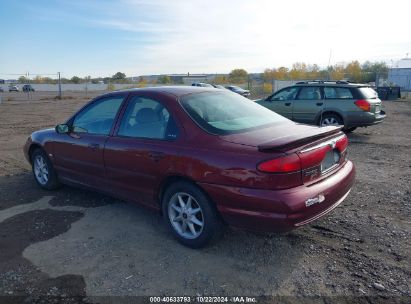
[185, 215]
[330, 121]
[41, 170]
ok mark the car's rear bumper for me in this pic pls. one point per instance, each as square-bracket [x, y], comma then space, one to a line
[281, 210]
[366, 119]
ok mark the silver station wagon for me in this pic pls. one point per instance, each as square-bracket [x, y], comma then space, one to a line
[328, 103]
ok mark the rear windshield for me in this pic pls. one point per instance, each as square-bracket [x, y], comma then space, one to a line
[227, 113]
[368, 93]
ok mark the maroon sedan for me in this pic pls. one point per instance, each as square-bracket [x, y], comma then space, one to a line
[199, 155]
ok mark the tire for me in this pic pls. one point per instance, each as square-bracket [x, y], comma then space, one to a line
[331, 120]
[199, 211]
[350, 130]
[43, 171]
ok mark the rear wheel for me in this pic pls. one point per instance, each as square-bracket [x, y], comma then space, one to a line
[190, 216]
[43, 170]
[331, 120]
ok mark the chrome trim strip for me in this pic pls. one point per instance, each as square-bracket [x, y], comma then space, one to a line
[328, 142]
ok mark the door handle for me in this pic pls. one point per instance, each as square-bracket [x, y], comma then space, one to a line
[320, 103]
[156, 156]
[94, 147]
[287, 104]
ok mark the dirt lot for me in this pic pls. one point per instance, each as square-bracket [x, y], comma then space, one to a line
[83, 246]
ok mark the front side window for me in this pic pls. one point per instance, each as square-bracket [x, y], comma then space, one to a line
[285, 94]
[147, 118]
[98, 118]
[337, 93]
[309, 93]
[226, 113]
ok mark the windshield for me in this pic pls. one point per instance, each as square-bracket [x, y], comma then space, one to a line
[226, 113]
[368, 93]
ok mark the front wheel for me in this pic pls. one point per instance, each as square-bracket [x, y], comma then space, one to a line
[43, 170]
[190, 216]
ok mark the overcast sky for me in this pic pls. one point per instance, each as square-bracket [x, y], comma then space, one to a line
[137, 37]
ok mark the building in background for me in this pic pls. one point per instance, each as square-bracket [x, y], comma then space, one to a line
[400, 74]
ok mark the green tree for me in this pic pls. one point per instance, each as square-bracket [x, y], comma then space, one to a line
[373, 70]
[281, 73]
[75, 79]
[269, 74]
[220, 79]
[238, 76]
[298, 71]
[48, 80]
[164, 79]
[354, 72]
[118, 76]
[23, 79]
[336, 72]
[313, 72]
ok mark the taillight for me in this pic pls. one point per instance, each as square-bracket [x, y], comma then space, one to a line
[304, 159]
[288, 163]
[314, 157]
[363, 105]
[342, 143]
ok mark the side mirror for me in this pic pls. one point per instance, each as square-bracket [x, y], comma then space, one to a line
[62, 128]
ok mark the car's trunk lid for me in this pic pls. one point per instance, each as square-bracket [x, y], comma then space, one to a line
[319, 149]
[281, 137]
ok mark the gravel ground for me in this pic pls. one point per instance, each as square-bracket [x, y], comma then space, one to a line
[74, 245]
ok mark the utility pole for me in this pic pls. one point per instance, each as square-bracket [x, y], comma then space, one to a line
[59, 85]
[28, 83]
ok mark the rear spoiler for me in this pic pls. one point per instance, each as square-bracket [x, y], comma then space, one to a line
[298, 139]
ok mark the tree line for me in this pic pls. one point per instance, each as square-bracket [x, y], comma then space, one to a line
[119, 77]
[353, 71]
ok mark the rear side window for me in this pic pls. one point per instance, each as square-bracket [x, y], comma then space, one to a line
[337, 93]
[147, 118]
[368, 93]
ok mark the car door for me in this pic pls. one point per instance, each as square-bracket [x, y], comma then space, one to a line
[143, 149]
[79, 153]
[308, 105]
[282, 101]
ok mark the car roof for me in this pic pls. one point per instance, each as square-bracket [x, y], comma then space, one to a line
[177, 91]
[316, 83]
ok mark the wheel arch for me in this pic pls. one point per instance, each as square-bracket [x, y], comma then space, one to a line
[330, 111]
[171, 179]
[32, 148]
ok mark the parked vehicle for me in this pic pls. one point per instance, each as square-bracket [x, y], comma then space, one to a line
[201, 84]
[217, 86]
[1, 89]
[27, 88]
[200, 156]
[328, 103]
[239, 90]
[13, 88]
